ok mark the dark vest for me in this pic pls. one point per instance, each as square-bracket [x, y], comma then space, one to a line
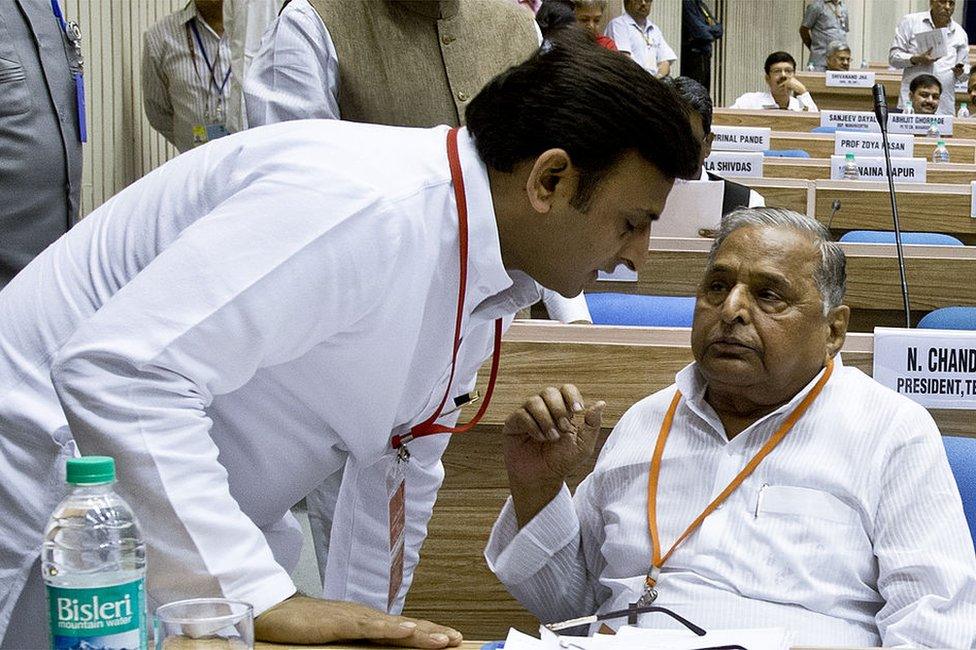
[419, 63]
[736, 195]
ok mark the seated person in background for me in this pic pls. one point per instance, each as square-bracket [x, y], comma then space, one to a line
[850, 532]
[971, 89]
[641, 39]
[700, 117]
[785, 90]
[924, 94]
[838, 56]
[589, 14]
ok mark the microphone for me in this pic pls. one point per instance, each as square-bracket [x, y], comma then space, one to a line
[880, 106]
[834, 209]
[881, 113]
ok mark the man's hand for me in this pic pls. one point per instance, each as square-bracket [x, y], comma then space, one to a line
[925, 58]
[305, 620]
[545, 441]
[794, 84]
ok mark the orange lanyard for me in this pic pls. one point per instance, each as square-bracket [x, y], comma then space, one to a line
[657, 561]
[429, 426]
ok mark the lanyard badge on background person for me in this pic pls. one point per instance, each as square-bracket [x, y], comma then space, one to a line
[72, 33]
[657, 561]
[396, 476]
[214, 115]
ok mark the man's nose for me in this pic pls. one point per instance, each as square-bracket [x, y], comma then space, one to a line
[736, 305]
[634, 252]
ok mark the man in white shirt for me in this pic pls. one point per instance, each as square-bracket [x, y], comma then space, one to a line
[905, 52]
[829, 506]
[641, 39]
[924, 94]
[696, 96]
[785, 90]
[282, 303]
[824, 21]
[185, 74]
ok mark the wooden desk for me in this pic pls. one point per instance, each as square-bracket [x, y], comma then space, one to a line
[855, 99]
[675, 267]
[926, 208]
[819, 169]
[804, 121]
[783, 192]
[465, 645]
[821, 145]
[618, 364]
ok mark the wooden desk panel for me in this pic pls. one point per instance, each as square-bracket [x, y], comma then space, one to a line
[800, 122]
[783, 192]
[928, 208]
[821, 145]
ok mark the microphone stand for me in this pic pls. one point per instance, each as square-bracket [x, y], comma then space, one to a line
[883, 123]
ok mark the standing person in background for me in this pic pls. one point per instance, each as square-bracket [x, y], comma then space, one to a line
[641, 39]
[185, 73]
[699, 30]
[41, 129]
[906, 54]
[589, 14]
[823, 21]
[244, 24]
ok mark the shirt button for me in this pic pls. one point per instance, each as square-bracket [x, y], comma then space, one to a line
[462, 96]
[447, 39]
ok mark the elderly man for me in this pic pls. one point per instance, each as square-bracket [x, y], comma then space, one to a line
[924, 94]
[838, 56]
[306, 297]
[905, 52]
[824, 21]
[828, 503]
[644, 41]
[785, 90]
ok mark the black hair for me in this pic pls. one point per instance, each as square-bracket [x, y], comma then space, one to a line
[595, 104]
[779, 57]
[696, 96]
[554, 14]
[924, 79]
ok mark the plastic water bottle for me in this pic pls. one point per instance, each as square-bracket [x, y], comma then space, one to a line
[94, 563]
[864, 64]
[941, 154]
[963, 110]
[933, 130]
[851, 172]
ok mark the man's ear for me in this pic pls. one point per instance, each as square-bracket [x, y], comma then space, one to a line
[552, 174]
[837, 321]
[707, 145]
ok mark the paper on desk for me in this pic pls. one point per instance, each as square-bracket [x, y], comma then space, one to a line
[632, 638]
[935, 39]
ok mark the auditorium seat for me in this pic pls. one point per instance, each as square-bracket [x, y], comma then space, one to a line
[888, 237]
[636, 309]
[962, 459]
[786, 153]
[950, 318]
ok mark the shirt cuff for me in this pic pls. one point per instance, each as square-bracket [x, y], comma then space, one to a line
[806, 100]
[566, 310]
[515, 555]
[265, 594]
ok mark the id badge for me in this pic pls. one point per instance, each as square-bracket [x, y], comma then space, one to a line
[216, 130]
[199, 135]
[396, 484]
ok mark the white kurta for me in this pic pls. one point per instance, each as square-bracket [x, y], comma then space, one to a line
[238, 325]
[763, 100]
[850, 532]
[904, 46]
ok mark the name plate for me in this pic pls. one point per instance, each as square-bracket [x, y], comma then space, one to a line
[918, 124]
[853, 120]
[735, 163]
[740, 138]
[903, 170]
[936, 368]
[845, 79]
[869, 144]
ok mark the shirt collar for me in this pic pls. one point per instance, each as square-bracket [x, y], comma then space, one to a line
[188, 13]
[692, 385]
[950, 28]
[492, 290]
[648, 25]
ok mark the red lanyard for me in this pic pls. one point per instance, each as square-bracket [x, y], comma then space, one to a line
[429, 426]
[657, 561]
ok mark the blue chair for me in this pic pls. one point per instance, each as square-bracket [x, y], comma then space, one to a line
[888, 237]
[824, 129]
[962, 459]
[950, 318]
[786, 153]
[648, 311]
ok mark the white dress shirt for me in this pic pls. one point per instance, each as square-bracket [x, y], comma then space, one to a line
[178, 92]
[850, 533]
[764, 101]
[235, 327]
[904, 46]
[646, 44]
[296, 75]
[244, 24]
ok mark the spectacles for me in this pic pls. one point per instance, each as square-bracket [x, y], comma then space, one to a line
[631, 613]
